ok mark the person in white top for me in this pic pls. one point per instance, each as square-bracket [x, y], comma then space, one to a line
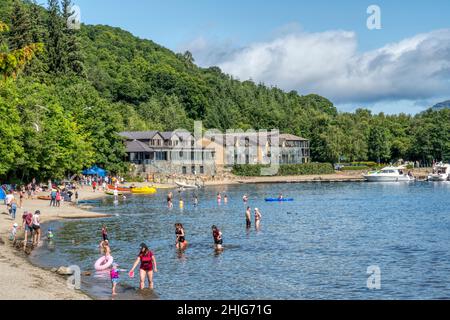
[9, 198]
[36, 223]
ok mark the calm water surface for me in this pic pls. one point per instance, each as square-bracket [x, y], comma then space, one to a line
[317, 247]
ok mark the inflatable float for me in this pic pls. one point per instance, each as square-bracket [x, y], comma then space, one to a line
[279, 200]
[44, 198]
[111, 193]
[144, 190]
[103, 263]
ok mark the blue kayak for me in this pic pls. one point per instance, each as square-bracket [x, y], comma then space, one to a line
[279, 200]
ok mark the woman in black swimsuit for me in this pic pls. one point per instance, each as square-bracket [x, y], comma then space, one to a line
[181, 242]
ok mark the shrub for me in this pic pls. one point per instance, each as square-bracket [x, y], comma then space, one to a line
[249, 170]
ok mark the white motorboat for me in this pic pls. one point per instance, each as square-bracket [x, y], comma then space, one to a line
[389, 174]
[441, 172]
[186, 185]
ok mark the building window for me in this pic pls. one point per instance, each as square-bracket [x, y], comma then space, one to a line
[193, 170]
[202, 170]
[184, 170]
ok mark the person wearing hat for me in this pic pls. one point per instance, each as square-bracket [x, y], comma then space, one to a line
[13, 233]
[148, 264]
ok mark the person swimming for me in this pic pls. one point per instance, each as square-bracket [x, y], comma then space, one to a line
[280, 197]
[195, 200]
[217, 235]
[181, 242]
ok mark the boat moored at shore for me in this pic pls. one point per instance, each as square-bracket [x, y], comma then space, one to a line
[441, 172]
[389, 174]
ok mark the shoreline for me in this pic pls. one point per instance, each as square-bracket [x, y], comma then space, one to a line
[35, 282]
[22, 280]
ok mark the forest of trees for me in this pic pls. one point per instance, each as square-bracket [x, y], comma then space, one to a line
[64, 95]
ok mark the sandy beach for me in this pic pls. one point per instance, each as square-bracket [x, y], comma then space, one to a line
[19, 280]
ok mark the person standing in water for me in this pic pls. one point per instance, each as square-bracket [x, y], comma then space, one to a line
[148, 265]
[248, 217]
[219, 198]
[195, 200]
[257, 218]
[169, 199]
[217, 235]
[181, 242]
[104, 232]
[225, 199]
[245, 198]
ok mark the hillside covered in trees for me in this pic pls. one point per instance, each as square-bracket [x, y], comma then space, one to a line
[65, 94]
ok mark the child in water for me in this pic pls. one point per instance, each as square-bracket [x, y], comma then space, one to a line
[50, 234]
[114, 273]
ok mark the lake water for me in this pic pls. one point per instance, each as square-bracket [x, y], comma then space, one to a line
[317, 247]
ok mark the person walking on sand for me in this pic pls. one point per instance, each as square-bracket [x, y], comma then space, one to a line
[94, 185]
[27, 222]
[36, 220]
[58, 198]
[148, 265]
[257, 218]
[248, 217]
[13, 209]
[217, 235]
[21, 197]
[53, 198]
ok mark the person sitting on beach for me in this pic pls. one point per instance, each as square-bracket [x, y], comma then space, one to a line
[217, 235]
[180, 242]
[148, 265]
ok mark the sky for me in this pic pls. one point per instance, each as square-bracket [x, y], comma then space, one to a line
[319, 46]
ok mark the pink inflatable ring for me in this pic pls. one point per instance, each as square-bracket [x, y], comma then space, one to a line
[103, 263]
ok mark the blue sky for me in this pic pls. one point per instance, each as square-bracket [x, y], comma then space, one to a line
[225, 33]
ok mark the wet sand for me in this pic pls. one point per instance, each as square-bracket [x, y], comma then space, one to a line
[21, 280]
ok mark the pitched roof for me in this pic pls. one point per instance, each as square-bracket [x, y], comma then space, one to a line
[137, 146]
[138, 135]
[291, 137]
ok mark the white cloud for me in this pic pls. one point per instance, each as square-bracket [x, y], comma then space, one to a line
[329, 63]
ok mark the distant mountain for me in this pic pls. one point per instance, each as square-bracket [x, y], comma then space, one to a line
[442, 105]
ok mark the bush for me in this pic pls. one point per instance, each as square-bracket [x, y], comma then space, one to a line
[355, 168]
[248, 170]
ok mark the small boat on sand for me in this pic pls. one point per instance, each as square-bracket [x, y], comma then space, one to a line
[48, 198]
[111, 193]
[119, 188]
[186, 185]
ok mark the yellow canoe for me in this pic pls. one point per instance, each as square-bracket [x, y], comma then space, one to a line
[144, 190]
